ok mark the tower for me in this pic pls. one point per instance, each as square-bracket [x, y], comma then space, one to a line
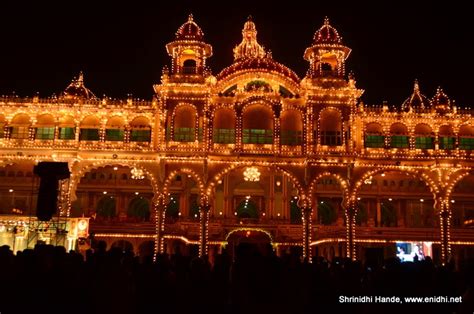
[327, 55]
[188, 52]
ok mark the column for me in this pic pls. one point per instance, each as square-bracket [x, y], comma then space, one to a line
[306, 211]
[203, 232]
[445, 228]
[159, 225]
[379, 213]
[350, 231]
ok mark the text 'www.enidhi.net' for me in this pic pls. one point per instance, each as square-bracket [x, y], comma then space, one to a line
[400, 300]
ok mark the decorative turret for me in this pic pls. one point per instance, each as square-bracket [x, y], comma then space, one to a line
[77, 90]
[327, 54]
[189, 52]
[416, 101]
[441, 102]
[249, 47]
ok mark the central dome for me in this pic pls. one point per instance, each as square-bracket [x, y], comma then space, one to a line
[250, 55]
[265, 64]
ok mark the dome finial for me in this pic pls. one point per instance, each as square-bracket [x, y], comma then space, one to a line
[190, 17]
[326, 20]
[80, 79]
[249, 47]
[250, 18]
[416, 87]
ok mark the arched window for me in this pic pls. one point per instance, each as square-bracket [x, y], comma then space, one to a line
[114, 130]
[45, 127]
[172, 209]
[140, 130]
[374, 137]
[193, 206]
[184, 123]
[424, 136]
[90, 129]
[139, 208]
[295, 212]
[257, 125]
[291, 128]
[466, 137]
[20, 126]
[67, 128]
[330, 127]
[326, 213]
[224, 126]
[388, 215]
[247, 209]
[399, 136]
[189, 66]
[446, 137]
[106, 207]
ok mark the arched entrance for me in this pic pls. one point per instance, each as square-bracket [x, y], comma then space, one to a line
[249, 241]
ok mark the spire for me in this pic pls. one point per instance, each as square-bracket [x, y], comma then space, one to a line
[77, 89]
[249, 47]
[80, 79]
[190, 17]
[416, 87]
[326, 21]
[416, 100]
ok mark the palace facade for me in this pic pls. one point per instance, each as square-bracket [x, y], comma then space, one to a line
[252, 154]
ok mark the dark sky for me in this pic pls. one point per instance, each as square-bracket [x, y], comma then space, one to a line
[121, 45]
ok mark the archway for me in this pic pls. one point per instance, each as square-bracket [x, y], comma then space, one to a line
[396, 200]
[246, 242]
[112, 181]
[269, 189]
[184, 188]
[122, 245]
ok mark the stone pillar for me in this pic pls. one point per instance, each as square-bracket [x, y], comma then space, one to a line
[350, 231]
[306, 211]
[203, 232]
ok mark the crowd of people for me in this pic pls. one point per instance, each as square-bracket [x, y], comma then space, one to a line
[48, 279]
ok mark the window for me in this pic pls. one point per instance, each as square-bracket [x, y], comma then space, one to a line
[114, 135]
[140, 135]
[19, 132]
[189, 67]
[466, 143]
[374, 141]
[331, 138]
[291, 138]
[67, 133]
[257, 136]
[46, 133]
[184, 134]
[446, 142]
[2, 131]
[399, 141]
[224, 136]
[424, 142]
[89, 135]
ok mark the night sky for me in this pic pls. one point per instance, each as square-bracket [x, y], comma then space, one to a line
[120, 46]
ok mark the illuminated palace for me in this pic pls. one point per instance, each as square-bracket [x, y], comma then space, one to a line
[253, 154]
